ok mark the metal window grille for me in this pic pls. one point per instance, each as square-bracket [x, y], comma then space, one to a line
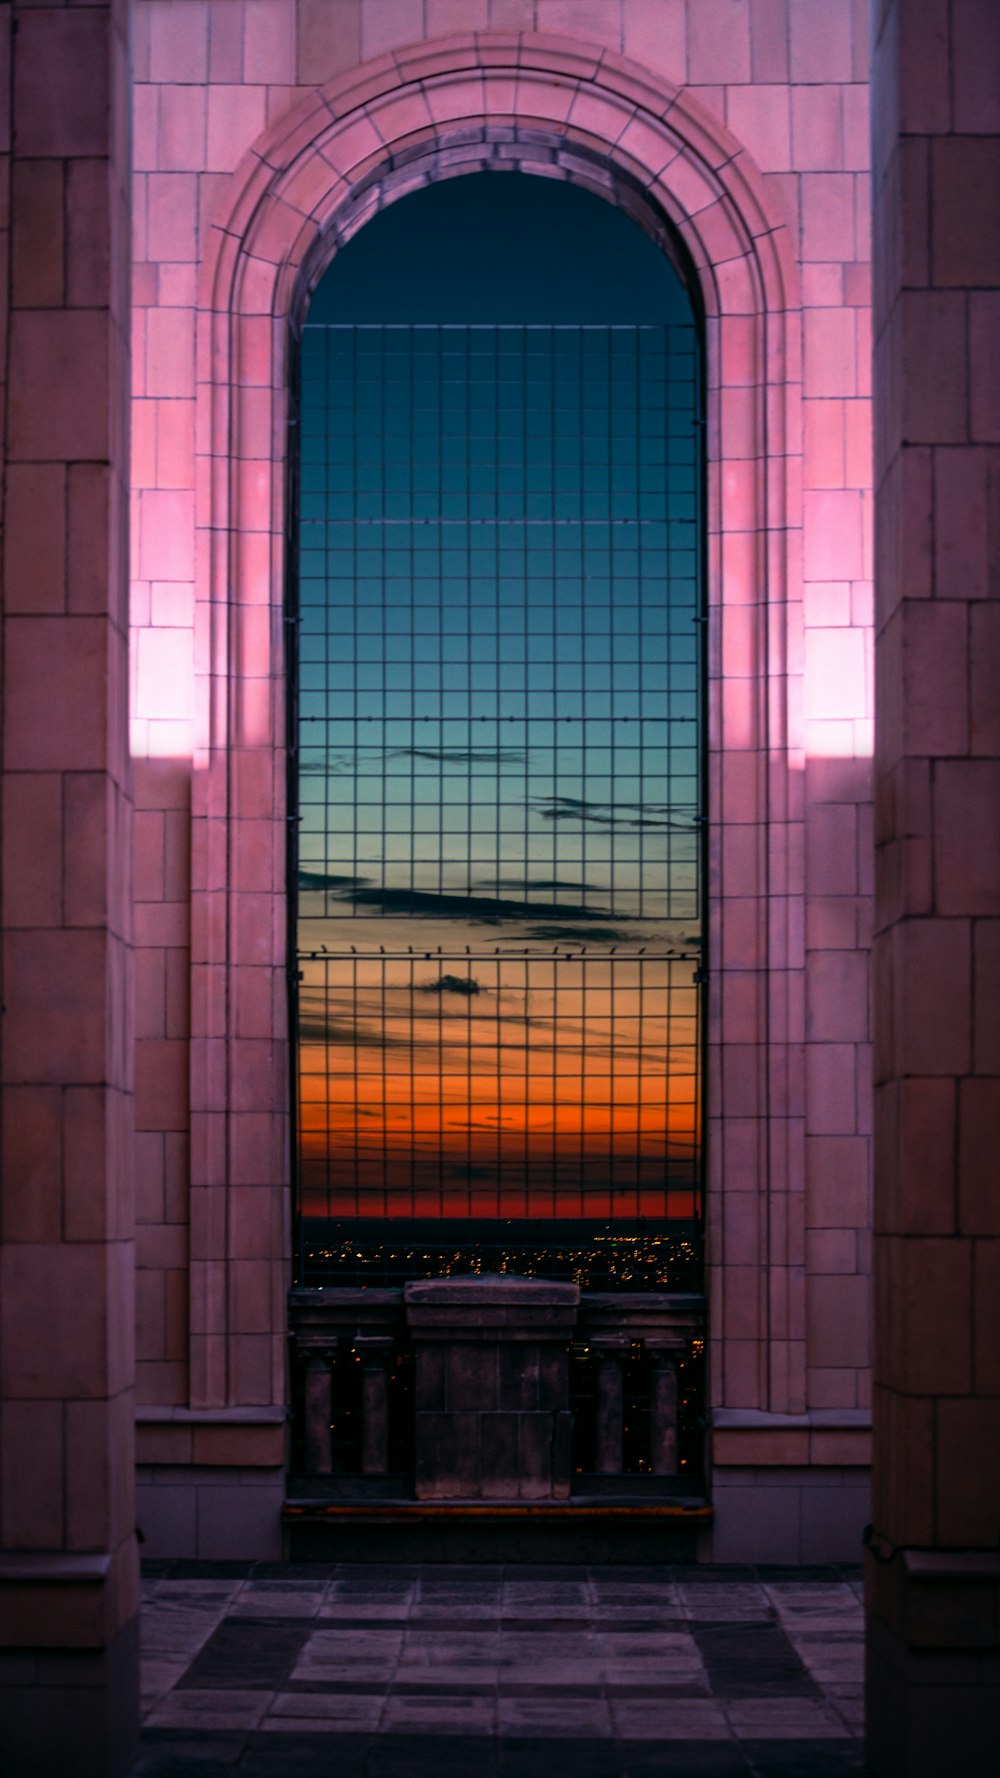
[498, 785]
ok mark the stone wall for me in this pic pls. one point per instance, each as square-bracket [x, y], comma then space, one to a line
[777, 92]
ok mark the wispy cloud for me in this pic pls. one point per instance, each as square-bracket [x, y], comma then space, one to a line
[618, 815]
[471, 756]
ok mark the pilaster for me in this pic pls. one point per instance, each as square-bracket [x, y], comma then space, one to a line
[69, 1588]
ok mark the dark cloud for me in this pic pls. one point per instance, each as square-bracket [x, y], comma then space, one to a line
[319, 879]
[546, 886]
[471, 756]
[622, 817]
[481, 909]
[348, 1033]
[593, 935]
[465, 985]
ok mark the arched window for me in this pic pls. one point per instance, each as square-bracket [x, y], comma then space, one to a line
[496, 760]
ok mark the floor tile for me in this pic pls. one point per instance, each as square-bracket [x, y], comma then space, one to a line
[189, 1758]
[414, 1755]
[272, 1601]
[783, 1719]
[216, 1709]
[304, 1753]
[440, 1713]
[246, 1655]
[747, 1660]
[328, 1710]
[670, 1719]
[805, 1759]
[684, 1759]
[350, 1614]
[521, 1756]
[282, 1672]
[566, 1716]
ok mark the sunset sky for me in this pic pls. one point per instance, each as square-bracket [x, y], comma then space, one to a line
[499, 718]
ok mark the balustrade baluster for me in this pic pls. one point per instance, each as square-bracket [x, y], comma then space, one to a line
[319, 1407]
[610, 1404]
[375, 1355]
[663, 1410]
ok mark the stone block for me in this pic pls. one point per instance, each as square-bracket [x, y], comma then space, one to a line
[965, 237]
[967, 854]
[820, 47]
[327, 42]
[242, 1520]
[562, 1453]
[80, 1715]
[828, 216]
[472, 1378]
[178, 42]
[500, 1457]
[833, 1521]
[718, 42]
[756, 1524]
[830, 347]
[838, 1317]
[269, 42]
[535, 1456]
[831, 1098]
[553, 1377]
[447, 1461]
[389, 25]
[518, 1376]
[58, 385]
[181, 142]
[236, 116]
[933, 1007]
[925, 1720]
[758, 116]
[984, 346]
[61, 83]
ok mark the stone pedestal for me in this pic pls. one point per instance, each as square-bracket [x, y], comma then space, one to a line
[492, 1387]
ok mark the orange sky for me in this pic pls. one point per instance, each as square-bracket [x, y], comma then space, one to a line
[538, 1090]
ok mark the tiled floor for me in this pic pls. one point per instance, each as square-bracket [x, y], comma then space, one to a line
[356, 1672]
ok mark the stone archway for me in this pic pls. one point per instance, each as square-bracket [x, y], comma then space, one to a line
[559, 110]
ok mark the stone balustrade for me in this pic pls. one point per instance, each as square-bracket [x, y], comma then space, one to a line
[490, 1388]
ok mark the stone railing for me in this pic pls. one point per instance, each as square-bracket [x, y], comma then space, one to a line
[488, 1388]
[348, 1347]
[617, 1330]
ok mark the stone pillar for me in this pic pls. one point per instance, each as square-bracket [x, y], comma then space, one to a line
[933, 1565]
[68, 1557]
[492, 1415]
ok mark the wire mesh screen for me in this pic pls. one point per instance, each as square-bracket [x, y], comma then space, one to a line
[498, 781]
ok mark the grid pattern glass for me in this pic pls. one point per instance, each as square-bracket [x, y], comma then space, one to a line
[497, 765]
